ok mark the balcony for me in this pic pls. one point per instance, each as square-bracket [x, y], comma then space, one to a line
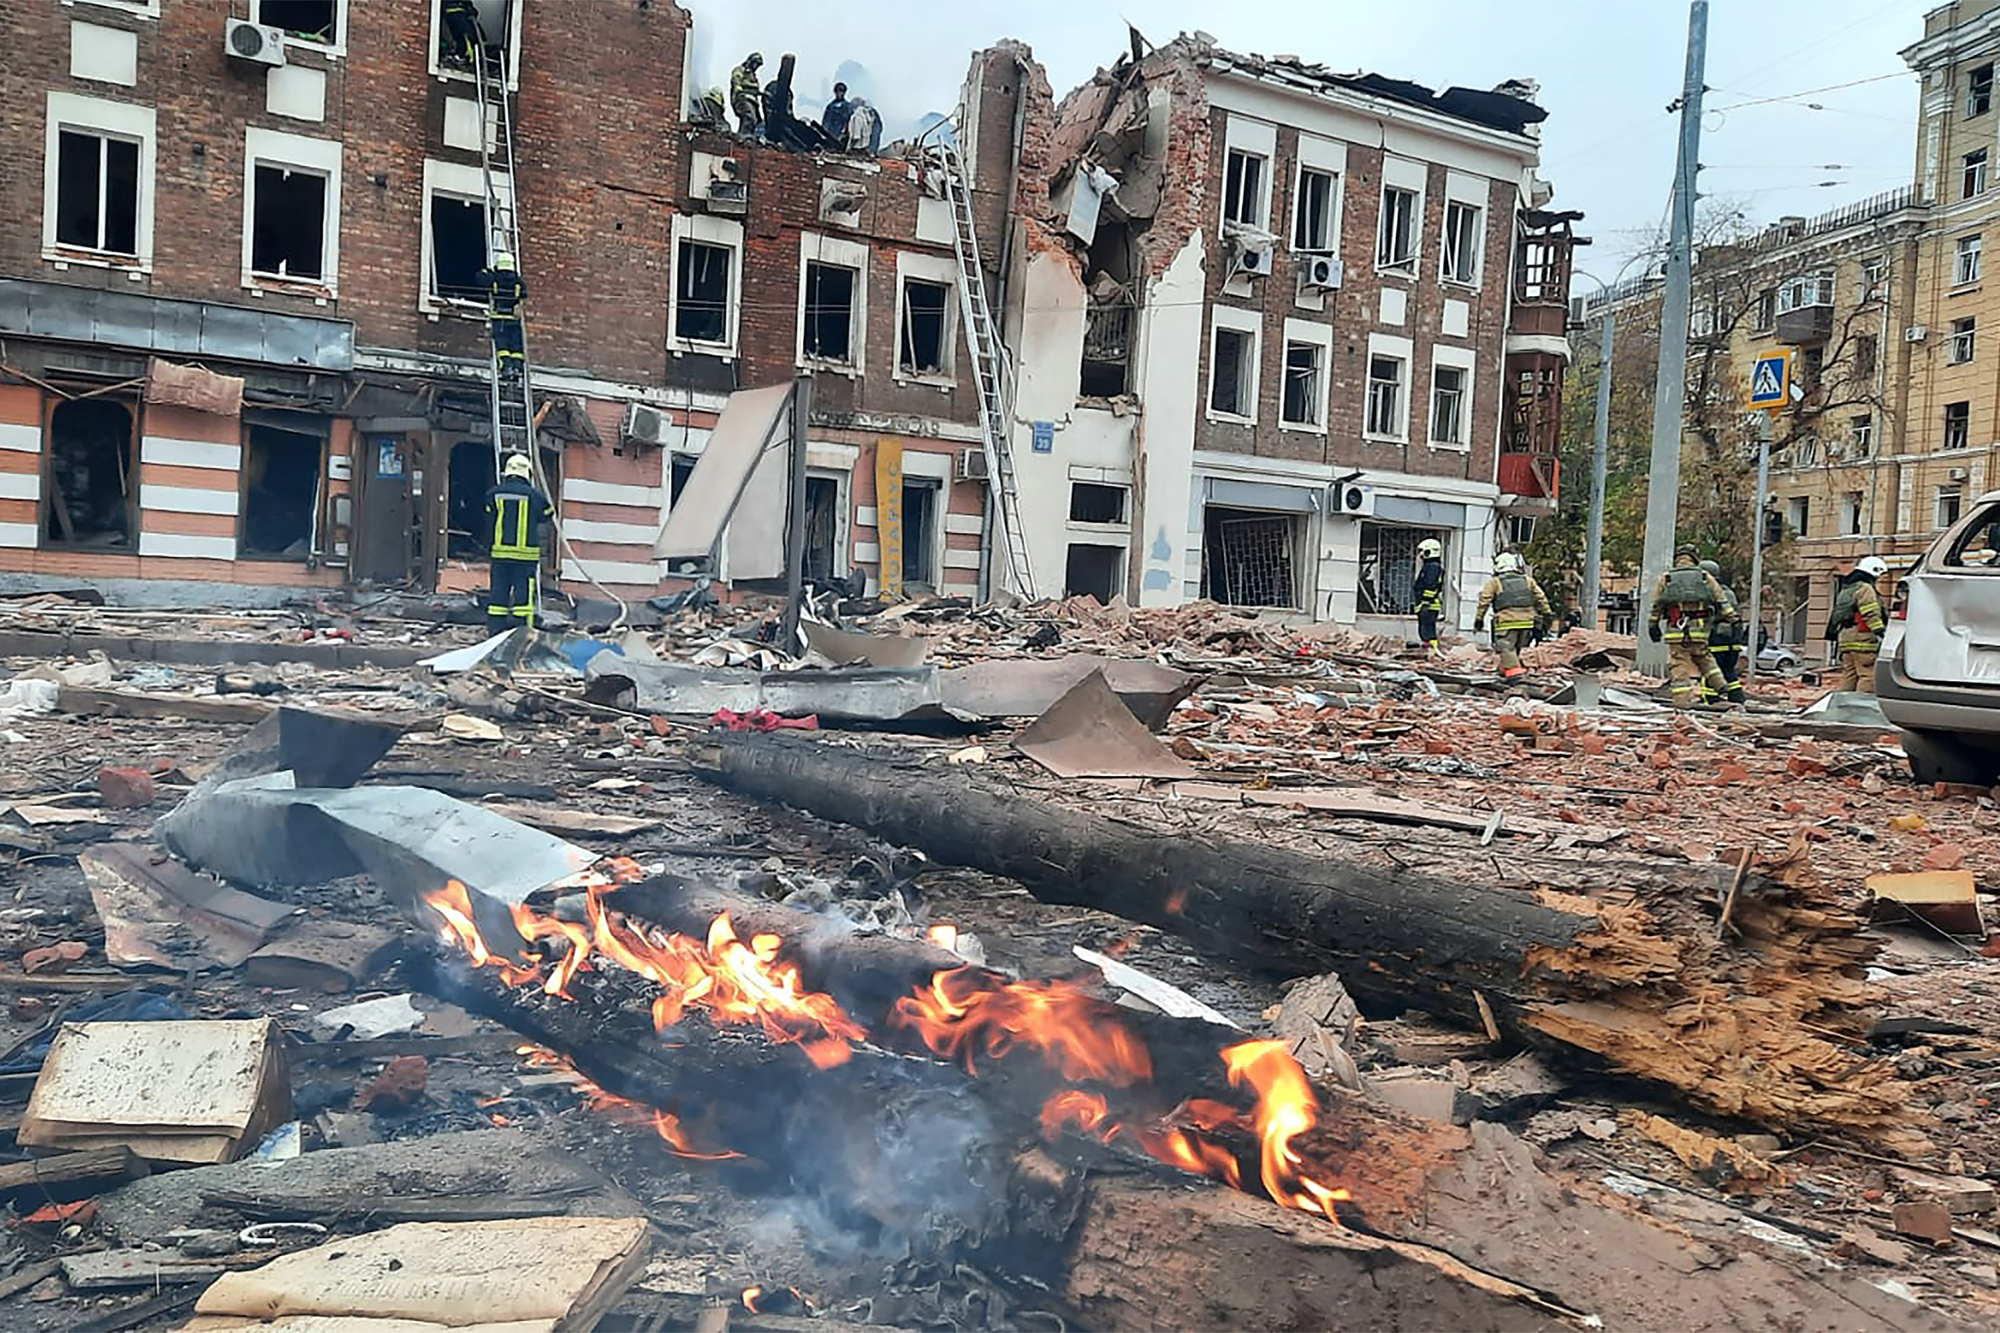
[1806, 325]
[1529, 483]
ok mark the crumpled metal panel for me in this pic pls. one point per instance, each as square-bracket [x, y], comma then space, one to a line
[187, 328]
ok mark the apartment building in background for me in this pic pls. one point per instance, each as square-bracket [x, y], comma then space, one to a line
[1273, 326]
[310, 218]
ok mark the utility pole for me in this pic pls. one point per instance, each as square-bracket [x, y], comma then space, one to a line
[1600, 446]
[1669, 384]
[1757, 544]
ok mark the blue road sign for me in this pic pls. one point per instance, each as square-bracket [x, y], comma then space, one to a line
[1770, 381]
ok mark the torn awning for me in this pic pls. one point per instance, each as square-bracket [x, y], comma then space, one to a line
[193, 387]
[742, 467]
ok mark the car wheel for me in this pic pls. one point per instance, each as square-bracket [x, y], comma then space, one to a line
[1935, 757]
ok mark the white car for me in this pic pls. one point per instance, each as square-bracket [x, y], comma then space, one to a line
[1938, 677]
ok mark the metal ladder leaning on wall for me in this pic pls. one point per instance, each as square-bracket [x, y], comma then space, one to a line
[992, 370]
[513, 405]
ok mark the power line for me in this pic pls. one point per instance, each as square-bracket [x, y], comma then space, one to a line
[1807, 92]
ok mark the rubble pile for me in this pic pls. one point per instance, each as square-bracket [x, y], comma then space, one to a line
[495, 976]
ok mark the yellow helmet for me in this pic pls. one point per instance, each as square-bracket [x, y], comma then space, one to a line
[503, 262]
[517, 465]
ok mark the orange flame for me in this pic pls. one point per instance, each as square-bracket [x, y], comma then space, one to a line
[1286, 1108]
[944, 936]
[732, 981]
[750, 1295]
[965, 1008]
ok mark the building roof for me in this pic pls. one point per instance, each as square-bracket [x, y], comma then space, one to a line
[1509, 108]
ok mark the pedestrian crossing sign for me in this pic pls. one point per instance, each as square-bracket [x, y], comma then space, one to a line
[1770, 381]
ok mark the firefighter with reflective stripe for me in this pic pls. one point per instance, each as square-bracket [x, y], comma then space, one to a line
[1726, 640]
[519, 513]
[746, 95]
[1429, 590]
[1686, 603]
[462, 32]
[1518, 605]
[505, 291]
[1856, 625]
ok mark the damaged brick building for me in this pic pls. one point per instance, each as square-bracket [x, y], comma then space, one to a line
[1273, 326]
[301, 208]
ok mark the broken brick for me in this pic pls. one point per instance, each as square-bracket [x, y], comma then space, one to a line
[398, 1087]
[125, 788]
[54, 958]
[1435, 746]
[1805, 767]
[1923, 1219]
[1944, 856]
[1911, 823]
[1661, 758]
[1732, 773]
[1593, 744]
[662, 727]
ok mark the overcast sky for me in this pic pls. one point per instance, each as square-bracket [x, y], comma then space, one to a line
[1607, 70]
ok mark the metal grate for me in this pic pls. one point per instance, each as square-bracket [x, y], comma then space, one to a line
[1389, 568]
[1256, 562]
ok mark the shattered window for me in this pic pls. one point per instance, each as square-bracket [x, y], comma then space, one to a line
[1229, 374]
[88, 498]
[829, 312]
[1243, 189]
[1461, 243]
[1312, 216]
[310, 20]
[97, 192]
[458, 247]
[1957, 424]
[1979, 89]
[281, 489]
[1448, 404]
[1096, 502]
[1396, 242]
[926, 317]
[288, 223]
[702, 279]
[1303, 364]
[1385, 395]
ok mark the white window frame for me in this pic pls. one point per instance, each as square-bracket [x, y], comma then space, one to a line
[1853, 511]
[449, 74]
[321, 157]
[332, 50]
[1874, 277]
[1964, 341]
[1972, 169]
[1805, 291]
[1965, 439]
[1411, 176]
[1954, 493]
[117, 120]
[1860, 437]
[1251, 324]
[822, 465]
[1965, 260]
[1252, 138]
[1805, 453]
[1309, 333]
[815, 248]
[145, 9]
[1798, 513]
[708, 231]
[1462, 190]
[454, 180]
[1329, 158]
[943, 271]
[1465, 361]
[1759, 324]
[1972, 107]
[1398, 349]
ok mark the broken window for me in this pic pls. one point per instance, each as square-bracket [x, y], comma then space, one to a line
[1850, 514]
[1248, 558]
[829, 313]
[88, 499]
[458, 248]
[1865, 355]
[1385, 395]
[310, 20]
[1230, 373]
[1243, 189]
[1972, 181]
[1312, 215]
[1860, 438]
[1447, 404]
[1798, 514]
[822, 529]
[1957, 424]
[1386, 582]
[1304, 367]
[1107, 341]
[468, 535]
[1396, 240]
[922, 336]
[97, 192]
[920, 523]
[1767, 310]
[288, 223]
[1979, 89]
[1094, 571]
[702, 277]
[1461, 243]
[281, 489]
[682, 468]
[1095, 502]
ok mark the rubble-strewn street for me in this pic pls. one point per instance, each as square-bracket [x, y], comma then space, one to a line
[912, 1105]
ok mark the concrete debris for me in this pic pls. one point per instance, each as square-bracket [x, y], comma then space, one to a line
[1163, 997]
[1317, 1020]
[371, 1019]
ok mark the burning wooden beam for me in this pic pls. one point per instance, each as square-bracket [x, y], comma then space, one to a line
[1752, 1027]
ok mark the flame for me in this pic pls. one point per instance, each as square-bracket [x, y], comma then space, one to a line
[965, 1009]
[750, 1295]
[944, 936]
[731, 980]
[1286, 1108]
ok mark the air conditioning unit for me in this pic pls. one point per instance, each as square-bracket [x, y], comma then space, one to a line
[1252, 260]
[972, 465]
[1351, 498]
[1320, 273]
[258, 43]
[647, 425]
[1957, 474]
[1916, 333]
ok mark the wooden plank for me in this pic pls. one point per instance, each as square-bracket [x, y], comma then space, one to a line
[128, 703]
[330, 1208]
[70, 1175]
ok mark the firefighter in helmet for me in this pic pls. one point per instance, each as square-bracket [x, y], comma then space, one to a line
[520, 513]
[1518, 605]
[1429, 590]
[1686, 604]
[1726, 639]
[1856, 623]
[505, 291]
